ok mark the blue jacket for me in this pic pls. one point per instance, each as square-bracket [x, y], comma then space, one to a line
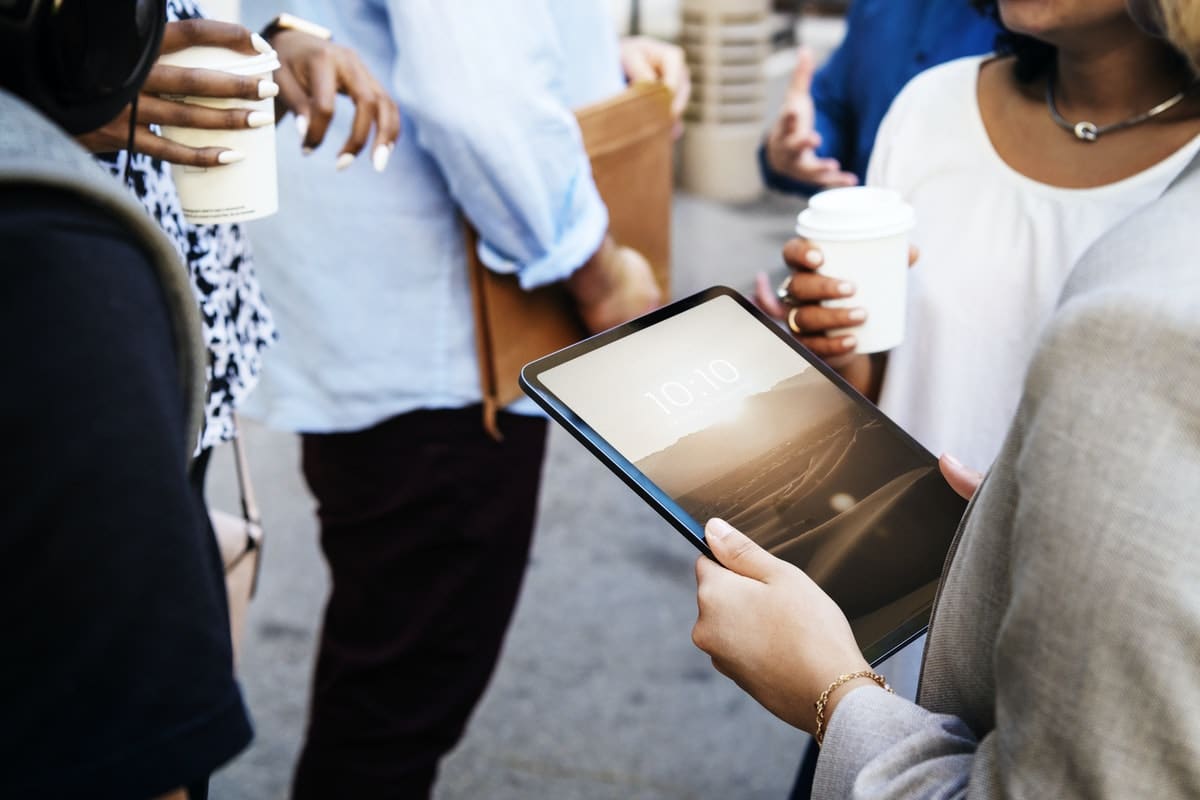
[887, 43]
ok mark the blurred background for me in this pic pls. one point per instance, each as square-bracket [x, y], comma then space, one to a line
[599, 692]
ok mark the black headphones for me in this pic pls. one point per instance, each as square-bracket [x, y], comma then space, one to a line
[79, 62]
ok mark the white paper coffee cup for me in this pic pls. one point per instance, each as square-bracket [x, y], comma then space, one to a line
[248, 189]
[863, 233]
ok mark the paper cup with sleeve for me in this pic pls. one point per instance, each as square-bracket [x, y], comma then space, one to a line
[237, 192]
[863, 232]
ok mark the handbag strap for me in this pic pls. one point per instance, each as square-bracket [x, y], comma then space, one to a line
[242, 467]
[484, 344]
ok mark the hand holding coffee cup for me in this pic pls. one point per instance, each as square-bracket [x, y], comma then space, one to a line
[245, 185]
[850, 290]
[155, 106]
[799, 297]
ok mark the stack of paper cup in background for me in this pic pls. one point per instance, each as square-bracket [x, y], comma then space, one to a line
[727, 43]
[235, 192]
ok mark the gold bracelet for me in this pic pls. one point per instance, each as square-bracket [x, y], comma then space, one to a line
[823, 700]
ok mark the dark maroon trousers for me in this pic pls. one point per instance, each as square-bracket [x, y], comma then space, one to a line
[425, 524]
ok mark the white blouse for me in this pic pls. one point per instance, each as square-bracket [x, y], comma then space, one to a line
[996, 248]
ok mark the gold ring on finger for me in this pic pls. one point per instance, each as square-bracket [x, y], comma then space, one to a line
[792, 324]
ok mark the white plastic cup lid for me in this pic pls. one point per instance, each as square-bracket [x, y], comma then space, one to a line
[222, 60]
[855, 213]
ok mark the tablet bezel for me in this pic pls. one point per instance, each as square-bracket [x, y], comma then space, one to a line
[667, 508]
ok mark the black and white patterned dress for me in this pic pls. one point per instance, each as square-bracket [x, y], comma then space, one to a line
[237, 323]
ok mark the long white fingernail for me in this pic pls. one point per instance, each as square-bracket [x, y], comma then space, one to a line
[845, 288]
[230, 156]
[302, 126]
[380, 158]
[344, 161]
[260, 44]
[267, 89]
[260, 119]
[857, 315]
[308, 151]
[814, 258]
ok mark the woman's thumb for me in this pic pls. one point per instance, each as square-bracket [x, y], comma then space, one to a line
[737, 552]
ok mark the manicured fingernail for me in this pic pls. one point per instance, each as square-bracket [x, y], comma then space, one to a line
[260, 44]
[302, 126]
[380, 158]
[951, 460]
[845, 288]
[814, 258]
[344, 161]
[856, 315]
[260, 119]
[267, 88]
[230, 156]
[717, 529]
[308, 151]
[849, 342]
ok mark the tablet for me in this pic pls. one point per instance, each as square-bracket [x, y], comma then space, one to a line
[707, 408]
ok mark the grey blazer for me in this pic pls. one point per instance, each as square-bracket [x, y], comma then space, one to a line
[1063, 658]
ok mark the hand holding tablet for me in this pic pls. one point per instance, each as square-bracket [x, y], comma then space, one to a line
[707, 409]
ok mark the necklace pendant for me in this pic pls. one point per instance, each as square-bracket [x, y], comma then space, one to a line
[1086, 132]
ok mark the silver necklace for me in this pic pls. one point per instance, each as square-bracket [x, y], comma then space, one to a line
[1089, 131]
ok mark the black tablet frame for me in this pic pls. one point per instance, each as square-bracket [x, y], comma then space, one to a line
[635, 479]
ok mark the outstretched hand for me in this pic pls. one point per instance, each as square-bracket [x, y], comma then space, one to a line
[793, 141]
[769, 628]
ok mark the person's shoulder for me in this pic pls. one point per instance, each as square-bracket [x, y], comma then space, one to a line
[24, 203]
[56, 228]
[938, 105]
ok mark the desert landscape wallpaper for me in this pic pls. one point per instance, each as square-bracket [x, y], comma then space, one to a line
[815, 479]
[730, 421]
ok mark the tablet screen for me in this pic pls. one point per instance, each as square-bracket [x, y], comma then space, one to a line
[729, 419]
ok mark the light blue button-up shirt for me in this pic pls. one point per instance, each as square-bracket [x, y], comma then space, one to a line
[366, 272]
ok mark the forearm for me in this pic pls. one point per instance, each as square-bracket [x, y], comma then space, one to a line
[496, 125]
[597, 277]
[614, 285]
[884, 747]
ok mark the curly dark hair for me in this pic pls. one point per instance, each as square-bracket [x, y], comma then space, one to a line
[1034, 58]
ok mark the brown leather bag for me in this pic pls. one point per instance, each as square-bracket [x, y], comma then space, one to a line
[629, 141]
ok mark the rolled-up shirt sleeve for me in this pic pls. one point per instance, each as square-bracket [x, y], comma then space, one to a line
[480, 83]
